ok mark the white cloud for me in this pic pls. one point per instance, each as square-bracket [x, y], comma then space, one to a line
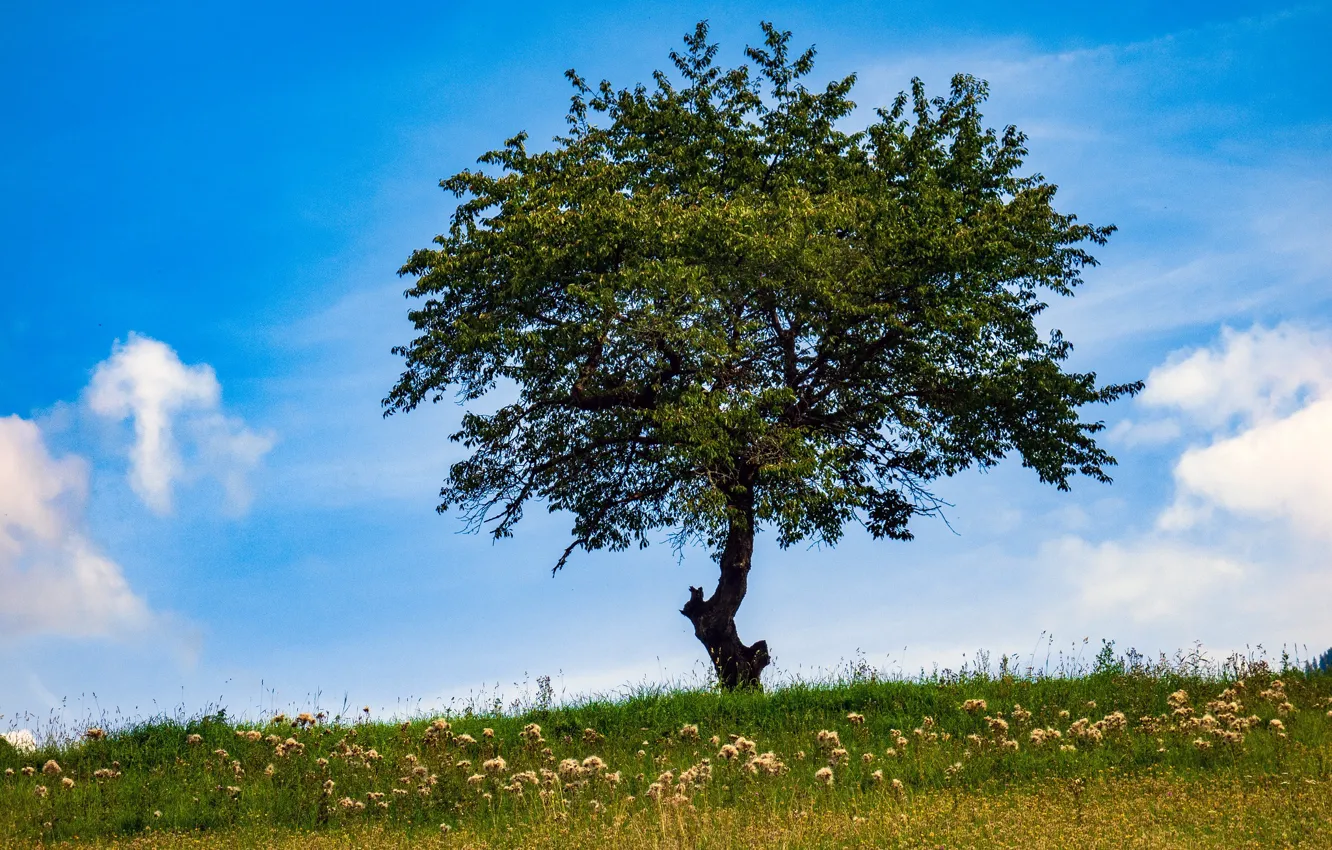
[54, 579]
[1256, 408]
[144, 380]
[1254, 376]
[1280, 469]
[1263, 400]
[1148, 579]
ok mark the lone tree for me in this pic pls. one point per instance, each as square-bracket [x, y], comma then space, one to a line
[722, 309]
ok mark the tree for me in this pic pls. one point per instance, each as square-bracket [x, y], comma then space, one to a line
[722, 311]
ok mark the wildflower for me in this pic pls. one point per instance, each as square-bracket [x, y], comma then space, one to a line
[728, 752]
[420, 770]
[877, 776]
[767, 763]
[1202, 744]
[591, 736]
[569, 769]
[855, 719]
[221, 753]
[689, 732]
[51, 768]
[998, 725]
[824, 775]
[655, 790]
[1114, 721]
[745, 745]
[1064, 715]
[9, 771]
[836, 756]
[445, 828]
[890, 753]
[28, 770]
[487, 733]
[867, 758]
[612, 778]
[1020, 714]
[476, 779]
[1273, 723]
[973, 706]
[95, 734]
[828, 740]
[495, 765]
[464, 740]
[696, 775]
[328, 787]
[714, 740]
[1067, 748]
[1285, 708]
[269, 770]
[531, 734]
[901, 742]
[1009, 744]
[67, 783]
[305, 718]
[157, 814]
[321, 762]
[1091, 703]
[897, 786]
[593, 763]
[40, 790]
[1037, 737]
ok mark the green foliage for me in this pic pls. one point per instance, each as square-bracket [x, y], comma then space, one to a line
[713, 297]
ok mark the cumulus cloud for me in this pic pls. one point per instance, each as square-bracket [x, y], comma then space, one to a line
[55, 580]
[1262, 400]
[1252, 414]
[172, 404]
[1249, 377]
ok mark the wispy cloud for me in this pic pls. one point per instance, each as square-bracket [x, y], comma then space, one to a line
[145, 381]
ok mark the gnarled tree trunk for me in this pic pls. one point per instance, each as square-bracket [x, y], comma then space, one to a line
[738, 665]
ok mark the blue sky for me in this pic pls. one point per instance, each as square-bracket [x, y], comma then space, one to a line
[202, 211]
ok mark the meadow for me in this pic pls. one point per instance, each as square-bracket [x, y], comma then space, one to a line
[1122, 756]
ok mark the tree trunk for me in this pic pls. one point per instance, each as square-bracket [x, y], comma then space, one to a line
[738, 666]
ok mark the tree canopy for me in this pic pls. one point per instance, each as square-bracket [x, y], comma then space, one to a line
[724, 310]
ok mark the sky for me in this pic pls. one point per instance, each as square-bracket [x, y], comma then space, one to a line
[202, 211]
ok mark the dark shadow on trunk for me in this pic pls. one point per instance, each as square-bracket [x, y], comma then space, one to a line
[737, 665]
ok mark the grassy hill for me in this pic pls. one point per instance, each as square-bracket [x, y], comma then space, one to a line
[1108, 759]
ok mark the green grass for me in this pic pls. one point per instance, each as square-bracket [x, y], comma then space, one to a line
[198, 791]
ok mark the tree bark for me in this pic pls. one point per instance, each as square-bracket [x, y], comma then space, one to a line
[737, 665]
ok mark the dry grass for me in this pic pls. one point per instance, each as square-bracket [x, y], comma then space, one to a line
[1143, 812]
